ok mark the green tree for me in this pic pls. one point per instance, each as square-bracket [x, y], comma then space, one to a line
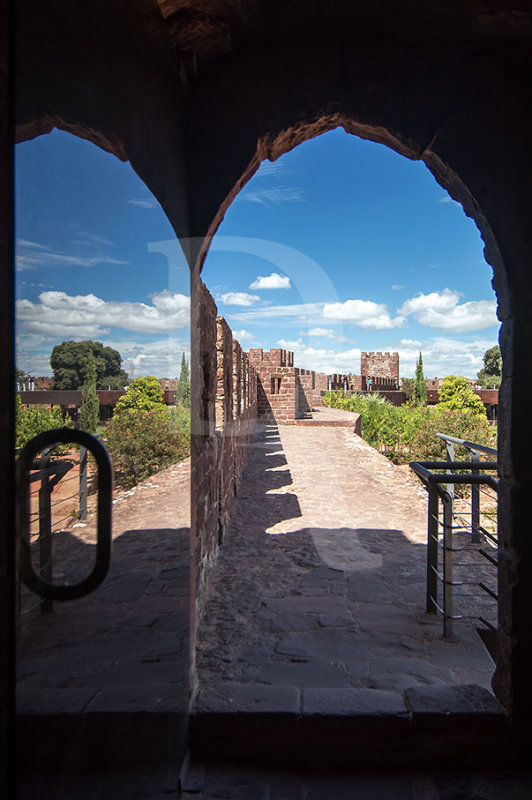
[71, 363]
[90, 405]
[420, 387]
[407, 385]
[183, 387]
[456, 394]
[144, 394]
[490, 376]
[21, 377]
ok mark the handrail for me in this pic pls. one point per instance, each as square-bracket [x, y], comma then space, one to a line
[36, 583]
[472, 446]
[438, 484]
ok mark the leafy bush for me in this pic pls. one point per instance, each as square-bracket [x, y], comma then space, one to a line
[408, 433]
[143, 442]
[456, 393]
[144, 394]
[34, 420]
[179, 420]
[462, 424]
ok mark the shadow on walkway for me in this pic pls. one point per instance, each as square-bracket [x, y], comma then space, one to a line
[297, 603]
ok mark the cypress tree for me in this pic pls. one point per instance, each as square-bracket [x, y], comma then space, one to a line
[183, 387]
[90, 405]
[420, 387]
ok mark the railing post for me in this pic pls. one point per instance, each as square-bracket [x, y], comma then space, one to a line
[475, 502]
[45, 536]
[432, 550]
[83, 460]
[447, 566]
[450, 457]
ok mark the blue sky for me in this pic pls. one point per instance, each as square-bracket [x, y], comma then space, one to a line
[339, 246]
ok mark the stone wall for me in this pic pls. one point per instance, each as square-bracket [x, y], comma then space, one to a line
[224, 414]
[277, 384]
[380, 365]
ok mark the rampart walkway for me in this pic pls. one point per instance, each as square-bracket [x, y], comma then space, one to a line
[321, 578]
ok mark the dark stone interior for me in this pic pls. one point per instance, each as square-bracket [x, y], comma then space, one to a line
[195, 94]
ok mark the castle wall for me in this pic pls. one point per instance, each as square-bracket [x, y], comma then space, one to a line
[380, 365]
[224, 414]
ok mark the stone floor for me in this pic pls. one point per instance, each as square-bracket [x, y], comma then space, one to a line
[237, 783]
[320, 581]
[120, 653]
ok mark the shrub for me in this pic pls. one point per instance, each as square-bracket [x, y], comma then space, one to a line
[143, 442]
[34, 420]
[463, 424]
[408, 433]
[144, 394]
[456, 393]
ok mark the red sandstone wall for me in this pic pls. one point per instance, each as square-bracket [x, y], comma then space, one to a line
[380, 365]
[277, 386]
[224, 413]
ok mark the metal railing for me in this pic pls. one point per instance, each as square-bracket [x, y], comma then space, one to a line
[34, 464]
[461, 526]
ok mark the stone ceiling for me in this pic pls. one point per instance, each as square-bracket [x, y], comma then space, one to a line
[205, 29]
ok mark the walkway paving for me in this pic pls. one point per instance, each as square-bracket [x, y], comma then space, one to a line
[121, 654]
[320, 582]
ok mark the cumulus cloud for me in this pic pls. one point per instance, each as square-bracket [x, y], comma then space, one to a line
[318, 332]
[58, 314]
[273, 281]
[444, 311]
[243, 336]
[238, 298]
[161, 357]
[442, 355]
[322, 359]
[364, 313]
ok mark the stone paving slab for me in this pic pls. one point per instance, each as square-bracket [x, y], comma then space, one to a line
[321, 576]
[107, 675]
[207, 782]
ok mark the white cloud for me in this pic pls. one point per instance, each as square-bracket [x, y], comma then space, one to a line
[161, 357]
[302, 311]
[318, 332]
[243, 336]
[442, 310]
[274, 196]
[59, 315]
[442, 356]
[322, 359]
[446, 199]
[397, 286]
[273, 281]
[144, 202]
[33, 255]
[364, 313]
[238, 298]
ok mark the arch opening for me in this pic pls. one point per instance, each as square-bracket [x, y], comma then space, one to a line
[102, 293]
[247, 273]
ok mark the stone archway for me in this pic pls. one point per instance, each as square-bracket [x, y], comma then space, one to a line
[449, 86]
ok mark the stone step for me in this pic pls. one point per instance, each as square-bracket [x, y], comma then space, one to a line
[440, 727]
